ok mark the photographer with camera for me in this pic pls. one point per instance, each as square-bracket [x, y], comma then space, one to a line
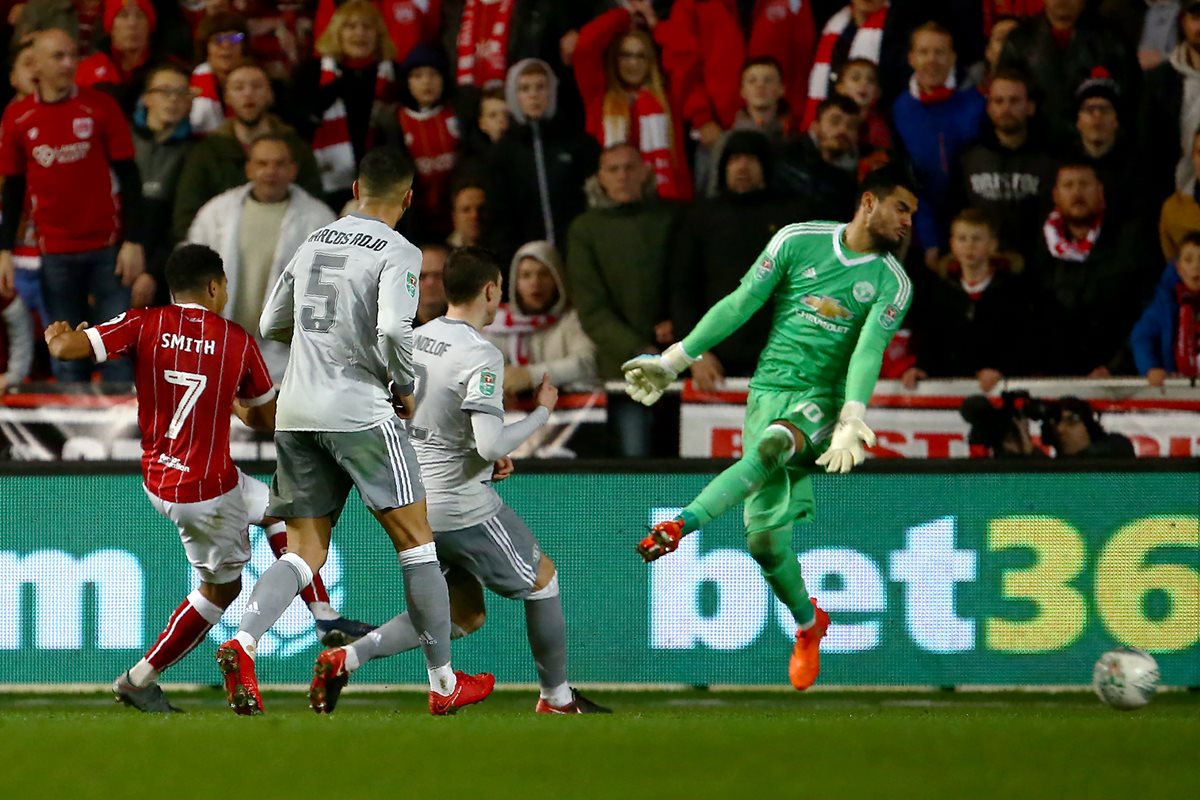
[1069, 426]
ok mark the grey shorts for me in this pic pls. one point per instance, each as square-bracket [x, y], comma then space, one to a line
[501, 553]
[315, 470]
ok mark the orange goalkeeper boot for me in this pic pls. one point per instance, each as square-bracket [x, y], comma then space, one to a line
[664, 538]
[805, 663]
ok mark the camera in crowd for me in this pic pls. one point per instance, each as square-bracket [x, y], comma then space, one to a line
[1068, 426]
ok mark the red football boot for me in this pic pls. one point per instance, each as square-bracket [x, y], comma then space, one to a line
[805, 663]
[578, 705]
[330, 676]
[241, 684]
[664, 538]
[469, 690]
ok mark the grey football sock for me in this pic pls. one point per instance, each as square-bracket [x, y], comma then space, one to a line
[547, 629]
[395, 636]
[273, 593]
[428, 602]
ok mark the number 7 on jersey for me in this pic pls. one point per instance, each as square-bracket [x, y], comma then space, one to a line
[194, 384]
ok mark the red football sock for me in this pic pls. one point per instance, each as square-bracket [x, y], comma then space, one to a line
[186, 629]
[315, 592]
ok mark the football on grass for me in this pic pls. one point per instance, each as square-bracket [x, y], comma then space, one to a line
[1126, 678]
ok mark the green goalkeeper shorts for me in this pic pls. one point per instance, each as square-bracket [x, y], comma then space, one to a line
[787, 496]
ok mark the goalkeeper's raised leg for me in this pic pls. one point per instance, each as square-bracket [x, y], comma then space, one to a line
[839, 296]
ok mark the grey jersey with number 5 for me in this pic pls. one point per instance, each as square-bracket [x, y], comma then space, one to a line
[459, 373]
[346, 302]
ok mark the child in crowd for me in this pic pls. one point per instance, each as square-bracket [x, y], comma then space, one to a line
[430, 133]
[859, 80]
[1166, 340]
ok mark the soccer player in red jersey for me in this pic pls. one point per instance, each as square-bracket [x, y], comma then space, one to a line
[192, 368]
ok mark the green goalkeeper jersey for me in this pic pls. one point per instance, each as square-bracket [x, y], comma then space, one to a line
[835, 312]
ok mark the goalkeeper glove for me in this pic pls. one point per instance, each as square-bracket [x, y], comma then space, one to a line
[648, 376]
[849, 436]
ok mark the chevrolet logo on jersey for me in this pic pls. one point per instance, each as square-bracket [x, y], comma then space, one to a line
[825, 312]
[827, 307]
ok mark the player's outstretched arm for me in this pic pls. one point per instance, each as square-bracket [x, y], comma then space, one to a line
[67, 344]
[647, 376]
[494, 440]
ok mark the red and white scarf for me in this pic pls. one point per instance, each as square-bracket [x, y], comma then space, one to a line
[1060, 243]
[1186, 354]
[517, 326]
[483, 42]
[938, 95]
[648, 127]
[868, 40]
[331, 142]
[208, 112]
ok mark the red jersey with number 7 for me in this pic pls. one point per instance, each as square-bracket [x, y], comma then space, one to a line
[190, 365]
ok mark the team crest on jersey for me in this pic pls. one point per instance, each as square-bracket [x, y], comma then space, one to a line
[889, 316]
[487, 383]
[864, 291]
[412, 285]
[764, 269]
[82, 127]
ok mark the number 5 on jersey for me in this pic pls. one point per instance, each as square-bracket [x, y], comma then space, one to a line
[320, 289]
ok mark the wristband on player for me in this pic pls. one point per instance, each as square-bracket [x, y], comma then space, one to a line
[676, 358]
[853, 409]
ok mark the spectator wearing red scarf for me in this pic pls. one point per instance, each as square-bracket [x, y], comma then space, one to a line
[626, 99]
[1166, 340]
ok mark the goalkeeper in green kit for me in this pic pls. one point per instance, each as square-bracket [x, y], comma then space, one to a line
[839, 296]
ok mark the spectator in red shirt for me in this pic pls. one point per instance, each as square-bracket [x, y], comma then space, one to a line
[62, 145]
[121, 64]
[221, 45]
[26, 277]
[431, 136]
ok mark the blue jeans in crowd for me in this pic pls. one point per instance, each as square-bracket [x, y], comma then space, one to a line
[83, 286]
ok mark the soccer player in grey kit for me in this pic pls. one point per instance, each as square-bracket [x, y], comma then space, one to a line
[345, 303]
[463, 445]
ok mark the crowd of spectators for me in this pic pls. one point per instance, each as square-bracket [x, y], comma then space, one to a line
[629, 159]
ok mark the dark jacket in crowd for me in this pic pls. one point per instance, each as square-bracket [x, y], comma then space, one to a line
[1058, 71]
[1123, 177]
[219, 162]
[355, 87]
[1013, 186]
[955, 336]
[159, 165]
[1160, 136]
[1091, 306]
[617, 267]
[719, 240]
[830, 191]
[518, 202]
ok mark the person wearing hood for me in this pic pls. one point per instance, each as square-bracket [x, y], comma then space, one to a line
[122, 61]
[538, 167]
[537, 330]
[341, 98]
[716, 240]
[162, 138]
[430, 134]
[1170, 111]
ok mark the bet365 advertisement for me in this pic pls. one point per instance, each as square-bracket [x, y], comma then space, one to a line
[930, 579]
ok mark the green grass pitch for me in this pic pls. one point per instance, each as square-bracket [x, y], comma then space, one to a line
[729, 745]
